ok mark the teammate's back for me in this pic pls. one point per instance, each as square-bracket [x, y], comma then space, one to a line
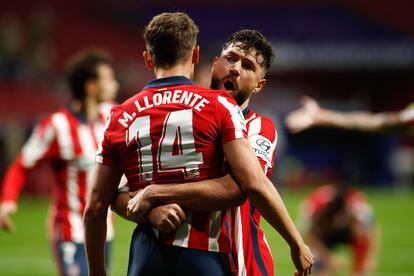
[172, 131]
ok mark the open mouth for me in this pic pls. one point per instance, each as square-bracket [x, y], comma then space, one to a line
[228, 85]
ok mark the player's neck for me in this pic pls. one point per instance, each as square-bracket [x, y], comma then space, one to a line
[244, 105]
[185, 69]
[88, 107]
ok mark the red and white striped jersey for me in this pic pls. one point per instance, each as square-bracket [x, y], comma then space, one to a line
[250, 247]
[171, 132]
[69, 144]
[407, 115]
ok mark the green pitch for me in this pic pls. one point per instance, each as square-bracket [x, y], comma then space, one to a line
[27, 251]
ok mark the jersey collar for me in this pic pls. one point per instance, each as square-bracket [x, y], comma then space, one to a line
[168, 81]
[246, 112]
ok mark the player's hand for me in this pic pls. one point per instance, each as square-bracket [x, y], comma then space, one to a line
[304, 117]
[167, 218]
[303, 260]
[6, 210]
[138, 206]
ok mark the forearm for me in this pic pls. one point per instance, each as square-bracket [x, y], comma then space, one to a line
[119, 206]
[95, 235]
[207, 195]
[104, 183]
[264, 196]
[363, 121]
[268, 201]
[13, 182]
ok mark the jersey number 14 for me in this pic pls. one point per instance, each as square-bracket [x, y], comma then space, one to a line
[177, 130]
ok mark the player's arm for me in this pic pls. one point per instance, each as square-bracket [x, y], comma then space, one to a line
[38, 148]
[13, 182]
[206, 195]
[310, 114]
[105, 181]
[264, 196]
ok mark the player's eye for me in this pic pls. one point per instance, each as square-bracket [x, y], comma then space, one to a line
[248, 66]
[231, 58]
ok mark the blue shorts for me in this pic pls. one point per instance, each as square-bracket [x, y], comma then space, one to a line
[71, 258]
[148, 256]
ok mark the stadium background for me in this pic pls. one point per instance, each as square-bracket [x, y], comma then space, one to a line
[349, 55]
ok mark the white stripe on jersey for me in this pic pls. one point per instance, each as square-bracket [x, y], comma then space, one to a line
[64, 136]
[255, 126]
[87, 143]
[36, 148]
[215, 227]
[236, 116]
[239, 243]
[183, 232]
[75, 218]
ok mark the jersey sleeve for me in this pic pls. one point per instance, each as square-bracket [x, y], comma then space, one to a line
[407, 115]
[263, 139]
[106, 153]
[232, 121]
[40, 147]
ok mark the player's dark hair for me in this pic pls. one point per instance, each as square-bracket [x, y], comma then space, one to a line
[247, 40]
[83, 67]
[170, 38]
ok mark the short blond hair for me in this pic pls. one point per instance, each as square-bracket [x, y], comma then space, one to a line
[170, 38]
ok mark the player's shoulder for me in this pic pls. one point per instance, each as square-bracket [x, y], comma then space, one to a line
[266, 121]
[260, 124]
[53, 116]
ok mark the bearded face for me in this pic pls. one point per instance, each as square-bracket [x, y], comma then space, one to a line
[237, 72]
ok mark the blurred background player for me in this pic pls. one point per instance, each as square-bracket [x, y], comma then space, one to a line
[334, 216]
[67, 140]
[310, 114]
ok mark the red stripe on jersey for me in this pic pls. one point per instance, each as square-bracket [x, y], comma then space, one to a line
[63, 210]
[199, 226]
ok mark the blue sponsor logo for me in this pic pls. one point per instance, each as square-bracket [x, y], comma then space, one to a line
[264, 145]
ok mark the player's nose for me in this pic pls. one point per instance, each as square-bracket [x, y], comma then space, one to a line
[235, 69]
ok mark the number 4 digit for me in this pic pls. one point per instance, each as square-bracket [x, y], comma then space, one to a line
[176, 148]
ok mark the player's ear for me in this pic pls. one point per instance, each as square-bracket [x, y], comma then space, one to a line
[259, 86]
[196, 55]
[214, 63]
[148, 60]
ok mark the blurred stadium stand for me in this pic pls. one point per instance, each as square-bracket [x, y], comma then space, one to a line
[348, 54]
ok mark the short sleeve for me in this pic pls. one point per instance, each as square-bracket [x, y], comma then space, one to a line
[41, 145]
[232, 121]
[263, 139]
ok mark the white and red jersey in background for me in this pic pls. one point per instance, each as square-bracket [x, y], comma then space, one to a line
[68, 143]
[171, 132]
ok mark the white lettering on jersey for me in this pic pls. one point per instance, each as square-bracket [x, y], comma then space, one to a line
[190, 99]
[127, 117]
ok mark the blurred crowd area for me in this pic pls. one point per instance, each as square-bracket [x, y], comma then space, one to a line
[349, 55]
